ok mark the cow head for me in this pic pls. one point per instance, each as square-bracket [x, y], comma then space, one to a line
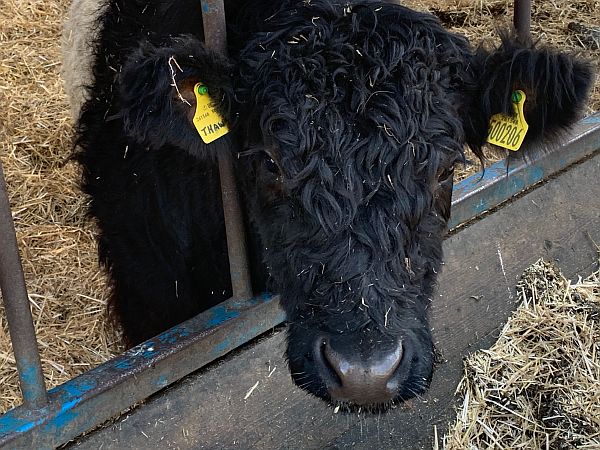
[351, 138]
[356, 117]
[352, 119]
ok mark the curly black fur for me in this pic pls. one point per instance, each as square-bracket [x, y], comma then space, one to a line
[150, 111]
[361, 115]
[556, 86]
[351, 117]
[148, 193]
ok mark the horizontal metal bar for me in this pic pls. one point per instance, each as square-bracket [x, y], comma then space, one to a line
[482, 192]
[105, 391]
[97, 395]
[16, 305]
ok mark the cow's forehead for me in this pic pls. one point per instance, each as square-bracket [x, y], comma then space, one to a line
[359, 130]
[357, 95]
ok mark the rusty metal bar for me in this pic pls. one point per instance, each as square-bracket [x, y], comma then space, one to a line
[215, 29]
[18, 314]
[215, 37]
[522, 18]
[87, 400]
[234, 225]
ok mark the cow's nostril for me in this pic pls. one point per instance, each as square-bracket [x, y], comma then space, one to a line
[361, 379]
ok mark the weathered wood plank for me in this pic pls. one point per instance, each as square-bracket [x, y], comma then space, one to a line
[208, 410]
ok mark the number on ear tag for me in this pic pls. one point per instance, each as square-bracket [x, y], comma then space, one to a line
[208, 122]
[509, 131]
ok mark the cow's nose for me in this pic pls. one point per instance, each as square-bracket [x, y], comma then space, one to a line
[359, 378]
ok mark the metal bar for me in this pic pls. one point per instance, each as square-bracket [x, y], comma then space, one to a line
[215, 37]
[16, 304]
[522, 18]
[84, 402]
[480, 193]
[234, 226]
[89, 399]
[215, 29]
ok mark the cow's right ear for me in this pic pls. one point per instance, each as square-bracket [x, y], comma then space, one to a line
[156, 94]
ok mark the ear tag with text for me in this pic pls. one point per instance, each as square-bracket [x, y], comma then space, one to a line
[208, 122]
[509, 131]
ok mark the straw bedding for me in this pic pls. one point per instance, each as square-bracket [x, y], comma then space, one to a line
[67, 290]
[538, 387]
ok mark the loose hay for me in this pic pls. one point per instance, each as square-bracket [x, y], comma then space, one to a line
[538, 387]
[67, 291]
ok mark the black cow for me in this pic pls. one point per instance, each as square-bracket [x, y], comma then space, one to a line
[347, 119]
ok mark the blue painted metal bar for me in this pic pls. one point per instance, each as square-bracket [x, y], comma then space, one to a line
[105, 391]
[89, 399]
[16, 305]
[482, 192]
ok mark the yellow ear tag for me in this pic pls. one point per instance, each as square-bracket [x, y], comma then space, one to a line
[509, 131]
[208, 122]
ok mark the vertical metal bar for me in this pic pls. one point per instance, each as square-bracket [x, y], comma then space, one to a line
[236, 237]
[215, 37]
[16, 304]
[215, 28]
[522, 18]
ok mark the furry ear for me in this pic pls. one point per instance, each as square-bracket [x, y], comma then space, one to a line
[556, 86]
[156, 97]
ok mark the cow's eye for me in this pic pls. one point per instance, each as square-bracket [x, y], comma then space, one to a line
[446, 174]
[271, 165]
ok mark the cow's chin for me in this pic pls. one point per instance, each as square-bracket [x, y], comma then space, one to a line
[364, 370]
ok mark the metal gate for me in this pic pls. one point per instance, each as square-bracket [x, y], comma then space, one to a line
[48, 418]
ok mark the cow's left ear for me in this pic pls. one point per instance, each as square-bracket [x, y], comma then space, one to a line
[556, 86]
[156, 93]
